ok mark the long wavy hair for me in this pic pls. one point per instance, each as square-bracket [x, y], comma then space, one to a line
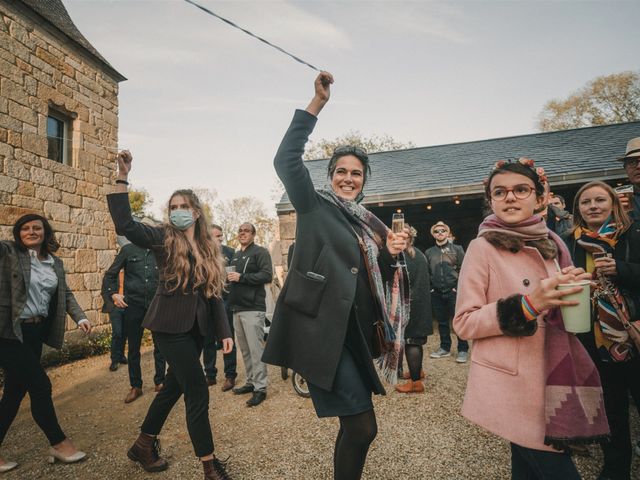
[618, 215]
[206, 271]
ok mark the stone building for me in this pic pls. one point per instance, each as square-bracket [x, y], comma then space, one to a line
[58, 137]
[444, 182]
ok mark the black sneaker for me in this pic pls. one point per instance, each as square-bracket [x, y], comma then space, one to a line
[123, 360]
[113, 367]
[246, 388]
[256, 399]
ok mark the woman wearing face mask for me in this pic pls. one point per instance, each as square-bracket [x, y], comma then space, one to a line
[603, 227]
[33, 310]
[187, 307]
[337, 287]
[530, 382]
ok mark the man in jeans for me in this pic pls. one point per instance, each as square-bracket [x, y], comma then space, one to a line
[140, 283]
[247, 300]
[445, 259]
[210, 345]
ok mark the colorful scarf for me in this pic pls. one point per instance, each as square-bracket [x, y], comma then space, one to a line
[392, 297]
[612, 339]
[574, 405]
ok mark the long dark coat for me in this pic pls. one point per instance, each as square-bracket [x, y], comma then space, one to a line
[420, 320]
[312, 312]
[15, 276]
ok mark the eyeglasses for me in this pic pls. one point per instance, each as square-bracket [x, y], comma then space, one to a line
[244, 230]
[631, 162]
[521, 192]
[439, 230]
[350, 150]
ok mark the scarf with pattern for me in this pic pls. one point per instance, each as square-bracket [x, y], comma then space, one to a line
[612, 339]
[393, 296]
[574, 405]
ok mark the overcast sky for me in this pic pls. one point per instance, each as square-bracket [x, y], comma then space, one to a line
[205, 105]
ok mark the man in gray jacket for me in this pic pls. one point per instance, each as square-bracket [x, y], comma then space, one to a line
[247, 301]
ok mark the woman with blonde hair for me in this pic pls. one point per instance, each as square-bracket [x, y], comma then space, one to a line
[186, 308]
[606, 242]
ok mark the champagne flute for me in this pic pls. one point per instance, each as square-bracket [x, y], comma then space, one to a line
[397, 226]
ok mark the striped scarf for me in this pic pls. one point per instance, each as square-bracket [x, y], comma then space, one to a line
[612, 339]
[393, 296]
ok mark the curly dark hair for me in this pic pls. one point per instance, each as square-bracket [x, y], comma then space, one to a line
[357, 152]
[49, 245]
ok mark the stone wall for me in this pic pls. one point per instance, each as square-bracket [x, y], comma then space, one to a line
[287, 225]
[40, 68]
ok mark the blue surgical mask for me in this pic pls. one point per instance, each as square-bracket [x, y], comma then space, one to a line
[181, 219]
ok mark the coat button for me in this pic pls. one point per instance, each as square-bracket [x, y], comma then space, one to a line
[354, 270]
[526, 282]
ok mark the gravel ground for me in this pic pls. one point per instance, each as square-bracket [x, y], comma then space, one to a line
[420, 436]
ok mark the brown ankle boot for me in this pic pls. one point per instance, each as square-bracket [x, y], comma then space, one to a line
[146, 451]
[410, 387]
[215, 470]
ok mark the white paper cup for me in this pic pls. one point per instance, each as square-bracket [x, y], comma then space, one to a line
[577, 318]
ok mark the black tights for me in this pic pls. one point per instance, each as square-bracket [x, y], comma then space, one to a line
[352, 444]
[414, 360]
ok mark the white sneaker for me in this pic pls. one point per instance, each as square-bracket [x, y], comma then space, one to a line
[440, 353]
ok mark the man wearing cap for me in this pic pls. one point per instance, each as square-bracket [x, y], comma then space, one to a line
[445, 259]
[631, 161]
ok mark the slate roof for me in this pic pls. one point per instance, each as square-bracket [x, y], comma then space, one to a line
[568, 156]
[55, 13]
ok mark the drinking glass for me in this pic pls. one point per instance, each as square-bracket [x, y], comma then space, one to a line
[397, 226]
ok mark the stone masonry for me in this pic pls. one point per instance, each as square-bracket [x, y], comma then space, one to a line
[42, 67]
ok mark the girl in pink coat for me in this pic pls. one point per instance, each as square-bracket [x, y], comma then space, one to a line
[530, 382]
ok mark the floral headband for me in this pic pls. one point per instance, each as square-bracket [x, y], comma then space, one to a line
[527, 162]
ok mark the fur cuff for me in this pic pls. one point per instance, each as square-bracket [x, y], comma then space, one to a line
[511, 318]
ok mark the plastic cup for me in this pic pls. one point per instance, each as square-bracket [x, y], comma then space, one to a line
[627, 192]
[577, 318]
[230, 269]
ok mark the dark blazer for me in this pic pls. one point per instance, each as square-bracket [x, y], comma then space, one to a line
[420, 320]
[169, 312]
[15, 275]
[312, 312]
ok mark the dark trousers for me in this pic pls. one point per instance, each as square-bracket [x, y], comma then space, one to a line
[133, 317]
[230, 359]
[444, 306]
[116, 317]
[618, 380]
[23, 374]
[529, 464]
[184, 376]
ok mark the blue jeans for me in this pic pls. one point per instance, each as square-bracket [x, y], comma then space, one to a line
[209, 353]
[444, 306]
[530, 464]
[116, 317]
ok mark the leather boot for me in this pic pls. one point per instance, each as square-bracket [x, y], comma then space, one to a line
[146, 451]
[411, 387]
[134, 394]
[215, 470]
[406, 375]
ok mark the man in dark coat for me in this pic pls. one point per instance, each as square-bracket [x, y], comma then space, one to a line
[210, 345]
[631, 161]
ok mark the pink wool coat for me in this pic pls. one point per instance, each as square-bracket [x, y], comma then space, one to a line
[505, 388]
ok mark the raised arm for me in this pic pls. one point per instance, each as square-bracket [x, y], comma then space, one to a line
[288, 161]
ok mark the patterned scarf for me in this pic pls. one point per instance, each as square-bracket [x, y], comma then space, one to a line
[392, 297]
[612, 340]
[574, 406]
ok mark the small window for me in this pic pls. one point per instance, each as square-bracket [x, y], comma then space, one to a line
[59, 137]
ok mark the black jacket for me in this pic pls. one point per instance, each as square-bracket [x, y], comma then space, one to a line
[254, 266]
[444, 265]
[140, 277]
[170, 311]
[313, 311]
[420, 320]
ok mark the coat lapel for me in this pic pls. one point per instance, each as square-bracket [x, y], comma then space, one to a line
[25, 265]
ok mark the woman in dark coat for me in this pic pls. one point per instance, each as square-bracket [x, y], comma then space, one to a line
[186, 308]
[420, 324]
[34, 302]
[323, 323]
[602, 226]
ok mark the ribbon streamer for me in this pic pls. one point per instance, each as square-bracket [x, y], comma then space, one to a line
[206, 10]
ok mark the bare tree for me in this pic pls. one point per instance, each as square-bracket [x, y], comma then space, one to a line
[230, 214]
[324, 148]
[604, 100]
